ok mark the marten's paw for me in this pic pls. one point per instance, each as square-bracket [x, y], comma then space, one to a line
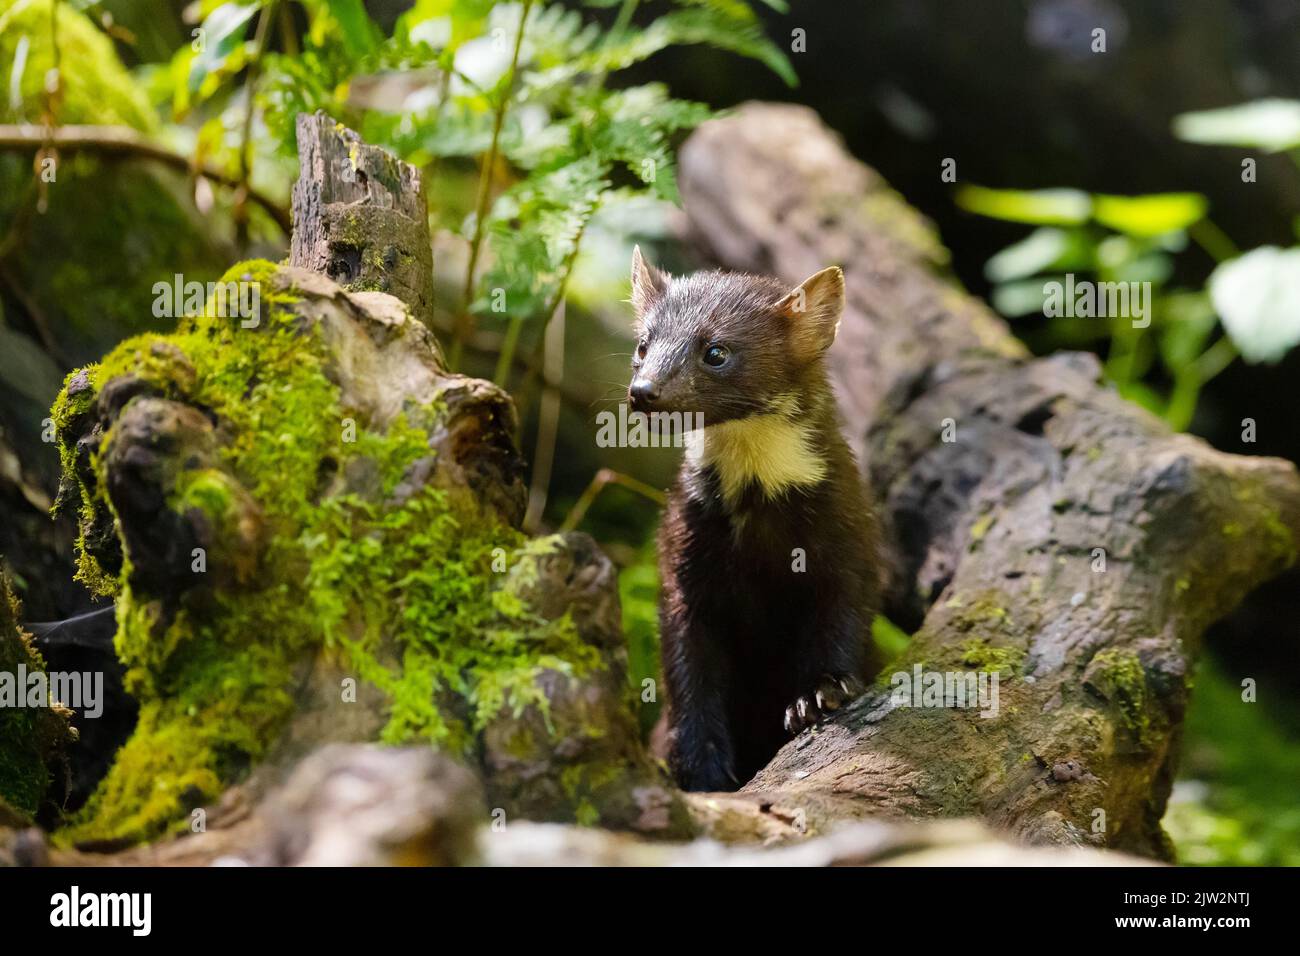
[831, 694]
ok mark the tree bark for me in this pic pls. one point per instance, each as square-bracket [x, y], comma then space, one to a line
[359, 216]
[1039, 526]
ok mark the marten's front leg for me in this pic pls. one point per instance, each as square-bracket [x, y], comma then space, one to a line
[833, 671]
[702, 752]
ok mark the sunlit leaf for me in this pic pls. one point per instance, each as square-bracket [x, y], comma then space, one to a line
[359, 34]
[1257, 297]
[1037, 251]
[1049, 207]
[223, 33]
[1150, 215]
[1271, 124]
[1020, 298]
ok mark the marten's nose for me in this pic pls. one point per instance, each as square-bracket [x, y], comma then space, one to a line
[644, 392]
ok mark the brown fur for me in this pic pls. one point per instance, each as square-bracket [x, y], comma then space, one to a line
[757, 641]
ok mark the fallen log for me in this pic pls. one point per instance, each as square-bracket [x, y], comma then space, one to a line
[370, 806]
[1041, 529]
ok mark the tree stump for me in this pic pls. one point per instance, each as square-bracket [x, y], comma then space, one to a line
[359, 216]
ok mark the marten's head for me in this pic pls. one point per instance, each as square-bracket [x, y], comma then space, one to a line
[729, 345]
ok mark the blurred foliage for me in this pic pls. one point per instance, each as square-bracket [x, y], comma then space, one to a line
[1271, 124]
[638, 587]
[520, 89]
[1234, 803]
[1161, 348]
[72, 285]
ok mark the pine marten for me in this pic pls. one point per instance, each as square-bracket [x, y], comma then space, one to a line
[767, 550]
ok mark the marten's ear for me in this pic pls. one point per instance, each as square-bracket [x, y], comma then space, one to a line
[648, 283]
[814, 309]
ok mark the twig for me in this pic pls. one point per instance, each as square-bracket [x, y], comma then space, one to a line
[1213, 240]
[34, 315]
[124, 141]
[489, 343]
[506, 357]
[548, 424]
[603, 479]
[535, 363]
[246, 144]
[465, 323]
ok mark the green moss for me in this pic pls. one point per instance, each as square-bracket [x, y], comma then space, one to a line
[31, 738]
[396, 584]
[96, 87]
[979, 654]
[1119, 675]
[980, 611]
[981, 527]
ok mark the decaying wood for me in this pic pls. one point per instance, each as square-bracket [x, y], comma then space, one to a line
[1063, 536]
[372, 806]
[359, 216]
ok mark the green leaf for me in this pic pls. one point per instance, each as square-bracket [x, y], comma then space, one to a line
[1270, 124]
[1020, 298]
[27, 369]
[1049, 207]
[1188, 320]
[1257, 297]
[360, 35]
[1150, 215]
[1039, 250]
[223, 34]
[535, 227]
[889, 637]
[1144, 395]
[715, 26]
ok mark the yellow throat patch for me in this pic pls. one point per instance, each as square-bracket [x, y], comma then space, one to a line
[771, 450]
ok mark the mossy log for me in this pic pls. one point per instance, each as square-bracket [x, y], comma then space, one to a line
[1040, 526]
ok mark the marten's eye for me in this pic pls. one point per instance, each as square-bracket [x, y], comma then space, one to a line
[641, 348]
[715, 356]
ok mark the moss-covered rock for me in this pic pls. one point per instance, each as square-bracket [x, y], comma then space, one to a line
[76, 283]
[313, 538]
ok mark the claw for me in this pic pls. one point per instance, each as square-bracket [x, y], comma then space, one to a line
[832, 693]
